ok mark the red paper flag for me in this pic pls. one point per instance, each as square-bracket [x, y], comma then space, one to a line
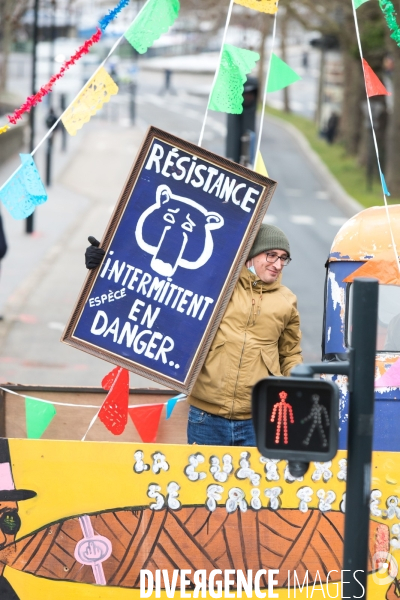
[146, 420]
[109, 379]
[114, 412]
[374, 85]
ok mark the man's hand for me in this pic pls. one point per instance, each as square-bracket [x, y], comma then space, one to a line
[93, 255]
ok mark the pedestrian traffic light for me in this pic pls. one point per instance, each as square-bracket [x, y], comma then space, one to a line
[296, 418]
[243, 124]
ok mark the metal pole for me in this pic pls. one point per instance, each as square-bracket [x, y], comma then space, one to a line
[360, 432]
[49, 151]
[321, 86]
[63, 106]
[29, 221]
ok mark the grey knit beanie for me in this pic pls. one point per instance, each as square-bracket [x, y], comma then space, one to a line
[269, 237]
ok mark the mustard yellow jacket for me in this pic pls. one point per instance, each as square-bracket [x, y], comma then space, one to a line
[254, 340]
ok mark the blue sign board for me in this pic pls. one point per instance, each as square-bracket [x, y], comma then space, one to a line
[175, 245]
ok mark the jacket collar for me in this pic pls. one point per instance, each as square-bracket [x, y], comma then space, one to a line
[248, 278]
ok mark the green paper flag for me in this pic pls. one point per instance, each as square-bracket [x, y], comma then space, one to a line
[280, 75]
[39, 415]
[227, 94]
[154, 19]
[357, 3]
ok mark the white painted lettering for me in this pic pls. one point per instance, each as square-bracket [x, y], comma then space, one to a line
[168, 162]
[128, 333]
[113, 329]
[143, 282]
[156, 336]
[129, 269]
[191, 169]
[134, 278]
[139, 346]
[150, 318]
[195, 305]
[248, 198]
[183, 301]
[179, 292]
[182, 169]
[235, 191]
[99, 330]
[200, 179]
[135, 309]
[156, 155]
[211, 172]
[217, 185]
[164, 348]
[116, 271]
[207, 301]
[227, 189]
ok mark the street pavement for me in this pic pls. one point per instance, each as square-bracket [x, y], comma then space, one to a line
[42, 275]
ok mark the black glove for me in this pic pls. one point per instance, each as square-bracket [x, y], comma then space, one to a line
[93, 255]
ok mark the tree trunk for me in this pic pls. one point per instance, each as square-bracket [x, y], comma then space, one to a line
[284, 31]
[6, 41]
[351, 120]
[264, 32]
[393, 134]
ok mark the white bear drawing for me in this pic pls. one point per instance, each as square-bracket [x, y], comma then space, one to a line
[183, 219]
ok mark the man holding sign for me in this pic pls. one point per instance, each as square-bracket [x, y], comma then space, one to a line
[258, 336]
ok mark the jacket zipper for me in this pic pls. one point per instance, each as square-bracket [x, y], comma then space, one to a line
[240, 363]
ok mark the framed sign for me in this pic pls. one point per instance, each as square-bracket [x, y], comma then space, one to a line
[175, 245]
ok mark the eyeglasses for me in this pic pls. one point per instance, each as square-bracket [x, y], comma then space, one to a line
[272, 257]
[10, 523]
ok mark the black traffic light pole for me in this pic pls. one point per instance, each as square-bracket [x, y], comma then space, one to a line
[361, 372]
[29, 226]
[360, 432]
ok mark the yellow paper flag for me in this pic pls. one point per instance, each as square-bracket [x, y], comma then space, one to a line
[266, 6]
[96, 92]
[260, 166]
[4, 129]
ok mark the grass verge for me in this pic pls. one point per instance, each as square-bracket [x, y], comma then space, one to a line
[345, 168]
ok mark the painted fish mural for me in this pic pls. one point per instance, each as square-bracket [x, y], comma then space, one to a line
[123, 542]
[95, 515]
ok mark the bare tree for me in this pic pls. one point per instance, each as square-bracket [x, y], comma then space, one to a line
[11, 12]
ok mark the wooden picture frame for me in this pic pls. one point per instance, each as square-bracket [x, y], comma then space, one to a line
[186, 219]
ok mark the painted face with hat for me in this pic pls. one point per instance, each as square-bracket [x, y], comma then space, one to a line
[269, 253]
[10, 522]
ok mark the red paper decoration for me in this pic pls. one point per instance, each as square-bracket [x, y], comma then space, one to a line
[109, 379]
[373, 84]
[31, 101]
[114, 412]
[146, 420]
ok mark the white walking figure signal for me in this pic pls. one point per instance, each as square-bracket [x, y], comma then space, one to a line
[315, 416]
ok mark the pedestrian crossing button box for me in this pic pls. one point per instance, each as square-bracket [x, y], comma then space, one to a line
[296, 419]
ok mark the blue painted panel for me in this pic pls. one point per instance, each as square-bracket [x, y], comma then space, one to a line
[168, 261]
[387, 415]
[335, 305]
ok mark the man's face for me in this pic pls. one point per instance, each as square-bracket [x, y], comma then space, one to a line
[9, 525]
[267, 270]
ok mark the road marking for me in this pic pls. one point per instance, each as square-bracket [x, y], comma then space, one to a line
[321, 195]
[337, 221]
[302, 219]
[179, 108]
[270, 219]
[294, 193]
[55, 325]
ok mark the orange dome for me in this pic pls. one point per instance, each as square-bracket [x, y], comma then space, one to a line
[367, 234]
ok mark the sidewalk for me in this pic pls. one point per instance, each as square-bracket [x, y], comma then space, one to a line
[50, 266]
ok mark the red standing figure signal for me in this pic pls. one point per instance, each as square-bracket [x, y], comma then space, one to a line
[282, 408]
